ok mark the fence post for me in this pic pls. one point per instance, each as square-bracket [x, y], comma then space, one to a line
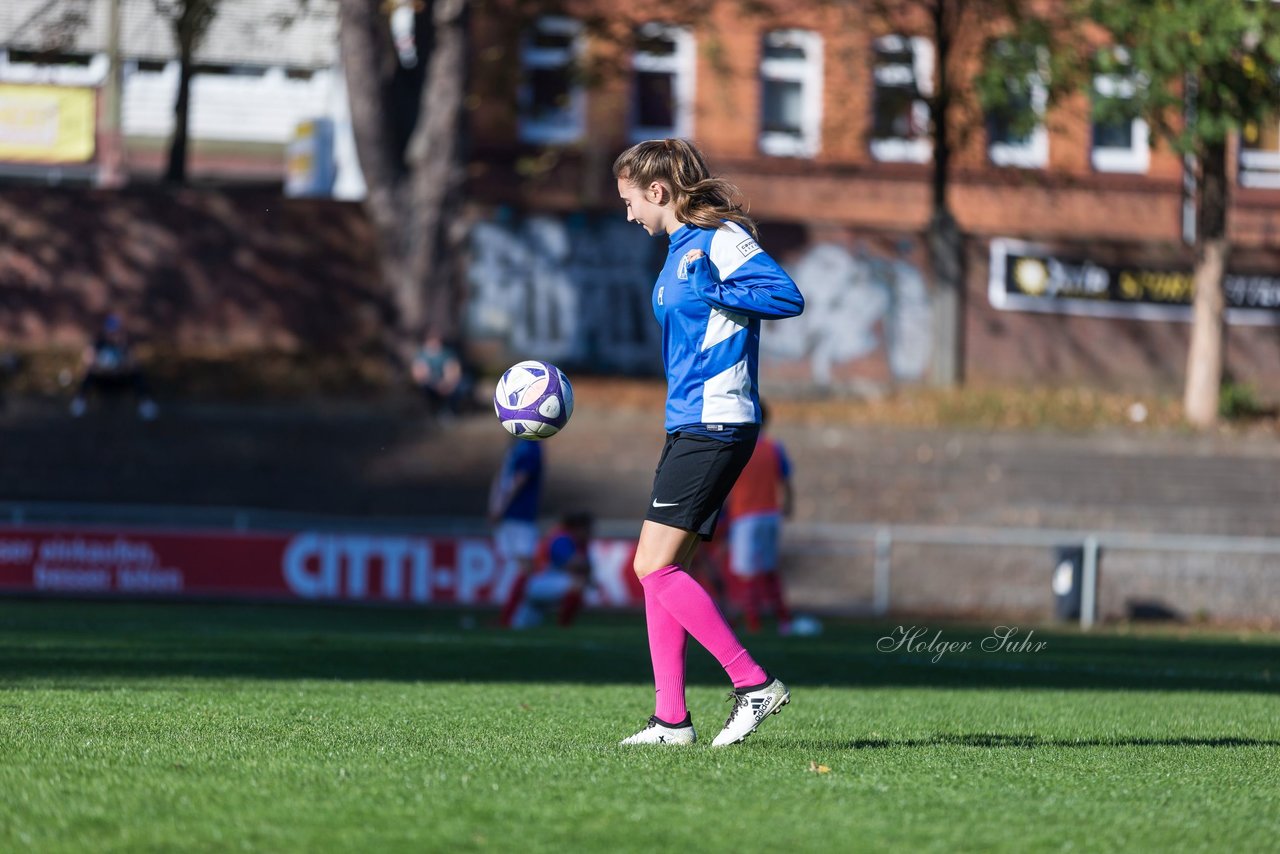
[1089, 584]
[883, 567]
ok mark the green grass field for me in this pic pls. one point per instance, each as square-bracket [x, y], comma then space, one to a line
[139, 727]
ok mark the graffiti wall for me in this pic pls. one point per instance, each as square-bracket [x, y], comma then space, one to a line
[576, 290]
[867, 316]
[572, 290]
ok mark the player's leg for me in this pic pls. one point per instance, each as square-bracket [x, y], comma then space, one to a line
[767, 541]
[515, 542]
[694, 476]
[756, 695]
[742, 566]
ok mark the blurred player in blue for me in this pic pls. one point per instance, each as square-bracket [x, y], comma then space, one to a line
[513, 509]
[561, 576]
[714, 290]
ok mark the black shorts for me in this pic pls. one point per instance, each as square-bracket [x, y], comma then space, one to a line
[694, 476]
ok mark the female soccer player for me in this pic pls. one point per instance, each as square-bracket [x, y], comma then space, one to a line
[714, 289]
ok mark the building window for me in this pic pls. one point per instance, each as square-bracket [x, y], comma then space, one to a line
[551, 100]
[1120, 138]
[903, 77]
[791, 93]
[1016, 135]
[1260, 154]
[66, 69]
[662, 84]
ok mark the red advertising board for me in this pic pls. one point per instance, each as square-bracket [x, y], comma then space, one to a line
[306, 565]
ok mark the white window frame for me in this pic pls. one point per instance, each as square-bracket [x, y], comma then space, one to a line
[569, 125]
[681, 65]
[1034, 153]
[922, 65]
[1136, 158]
[808, 73]
[1259, 168]
[55, 73]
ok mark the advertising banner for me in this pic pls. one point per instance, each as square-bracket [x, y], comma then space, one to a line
[308, 565]
[47, 124]
[1030, 277]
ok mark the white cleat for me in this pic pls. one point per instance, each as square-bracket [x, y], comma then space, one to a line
[659, 732]
[750, 708]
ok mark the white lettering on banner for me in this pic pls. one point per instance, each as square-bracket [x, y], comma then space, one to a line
[81, 551]
[400, 555]
[476, 568]
[65, 578]
[609, 566]
[356, 552]
[311, 566]
[16, 551]
[150, 580]
[314, 566]
[362, 567]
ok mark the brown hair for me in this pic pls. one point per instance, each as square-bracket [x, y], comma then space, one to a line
[698, 198]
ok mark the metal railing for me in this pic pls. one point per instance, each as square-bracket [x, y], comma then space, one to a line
[801, 537]
[883, 537]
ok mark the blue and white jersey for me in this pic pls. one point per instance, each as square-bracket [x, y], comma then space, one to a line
[710, 310]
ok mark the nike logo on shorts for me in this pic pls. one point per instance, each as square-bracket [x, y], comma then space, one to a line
[657, 503]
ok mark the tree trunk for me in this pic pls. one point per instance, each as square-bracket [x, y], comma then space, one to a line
[413, 190]
[176, 173]
[434, 158]
[945, 242]
[946, 258]
[1205, 355]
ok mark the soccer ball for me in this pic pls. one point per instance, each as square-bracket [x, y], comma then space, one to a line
[533, 400]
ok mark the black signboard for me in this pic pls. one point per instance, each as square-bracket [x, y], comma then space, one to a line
[1029, 277]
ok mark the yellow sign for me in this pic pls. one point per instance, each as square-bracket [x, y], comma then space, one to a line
[46, 124]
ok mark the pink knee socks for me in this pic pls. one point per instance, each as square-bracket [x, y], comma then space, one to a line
[675, 603]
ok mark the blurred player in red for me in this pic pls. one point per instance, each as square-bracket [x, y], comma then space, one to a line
[562, 574]
[755, 507]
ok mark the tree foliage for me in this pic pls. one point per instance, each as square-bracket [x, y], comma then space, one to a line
[1198, 72]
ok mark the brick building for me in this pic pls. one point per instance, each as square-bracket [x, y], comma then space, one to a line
[816, 113]
[1076, 270]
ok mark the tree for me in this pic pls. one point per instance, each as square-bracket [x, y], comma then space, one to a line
[1214, 62]
[190, 20]
[1198, 71]
[961, 32]
[407, 121]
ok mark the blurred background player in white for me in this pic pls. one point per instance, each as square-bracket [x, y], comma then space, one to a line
[716, 286]
[754, 512]
[561, 576]
[513, 509]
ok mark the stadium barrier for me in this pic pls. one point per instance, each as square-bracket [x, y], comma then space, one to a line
[83, 560]
[883, 541]
[851, 568]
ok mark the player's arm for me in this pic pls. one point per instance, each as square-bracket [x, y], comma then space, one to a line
[786, 495]
[738, 276]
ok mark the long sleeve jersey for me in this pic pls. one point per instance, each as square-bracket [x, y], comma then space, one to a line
[710, 309]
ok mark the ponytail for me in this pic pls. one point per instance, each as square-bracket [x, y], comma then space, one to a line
[696, 198]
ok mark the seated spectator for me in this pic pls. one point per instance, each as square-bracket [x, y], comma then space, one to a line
[438, 372]
[562, 576]
[109, 368]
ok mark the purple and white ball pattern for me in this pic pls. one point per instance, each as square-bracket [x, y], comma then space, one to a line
[533, 400]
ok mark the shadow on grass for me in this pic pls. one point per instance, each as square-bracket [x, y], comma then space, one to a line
[81, 643]
[1033, 742]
